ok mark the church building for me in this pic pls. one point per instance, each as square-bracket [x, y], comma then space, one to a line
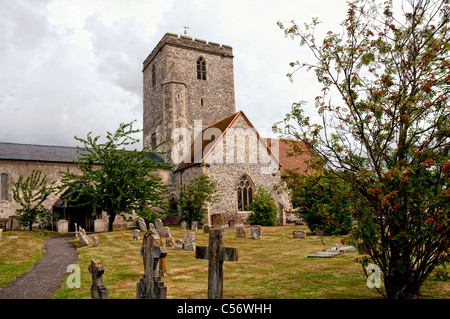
[189, 112]
[189, 100]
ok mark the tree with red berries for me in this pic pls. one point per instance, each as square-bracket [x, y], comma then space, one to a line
[387, 136]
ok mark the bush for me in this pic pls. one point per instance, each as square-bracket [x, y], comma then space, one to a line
[323, 204]
[264, 209]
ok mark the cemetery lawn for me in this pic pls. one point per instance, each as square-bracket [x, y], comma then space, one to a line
[274, 267]
[18, 255]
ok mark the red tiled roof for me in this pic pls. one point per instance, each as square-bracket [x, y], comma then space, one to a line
[286, 156]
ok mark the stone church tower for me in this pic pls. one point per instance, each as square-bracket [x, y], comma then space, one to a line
[185, 80]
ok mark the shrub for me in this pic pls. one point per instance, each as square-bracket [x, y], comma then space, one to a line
[264, 209]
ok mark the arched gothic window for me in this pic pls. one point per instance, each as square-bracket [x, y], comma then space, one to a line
[244, 192]
[4, 186]
[201, 69]
[153, 75]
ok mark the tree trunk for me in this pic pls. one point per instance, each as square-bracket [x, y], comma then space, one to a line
[112, 217]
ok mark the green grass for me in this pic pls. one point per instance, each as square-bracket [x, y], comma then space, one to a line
[18, 255]
[274, 267]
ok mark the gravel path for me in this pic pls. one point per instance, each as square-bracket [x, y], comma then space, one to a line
[45, 277]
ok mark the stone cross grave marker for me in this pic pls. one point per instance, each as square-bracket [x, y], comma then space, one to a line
[150, 285]
[216, 255]
[98, 289]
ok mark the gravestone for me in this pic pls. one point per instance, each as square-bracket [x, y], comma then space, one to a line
[256, 231]
[240, 232]
[206, 229]
[347, 249]
[163, 232]
[136, 235]
[142, 225]
[299, 234]
[152, 228]
[194, 226]
[94, 241]
[324, 254]
[183, 225]
[150, 286]
[159, 227]
[76, 230]
[82, 237]
[189, 241]
[169, 242]
[179, 244]
[98, 289]
[216, 255]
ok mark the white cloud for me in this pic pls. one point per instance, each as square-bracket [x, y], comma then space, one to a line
[73, 67]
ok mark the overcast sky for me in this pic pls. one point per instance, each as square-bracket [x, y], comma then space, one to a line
[69, 67]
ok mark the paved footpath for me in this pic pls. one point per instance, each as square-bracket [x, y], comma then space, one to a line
[45, 277]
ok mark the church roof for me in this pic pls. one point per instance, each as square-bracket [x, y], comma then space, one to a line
[45, 153]
[223, 126]
[288, 159]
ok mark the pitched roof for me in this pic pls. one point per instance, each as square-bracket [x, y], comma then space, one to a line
[46, 153]
[287, 157]
[223, 125]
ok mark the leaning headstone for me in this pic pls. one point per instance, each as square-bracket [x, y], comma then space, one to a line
[299, 234]
[159, 227]
[142, 225]
[179, 244]
[240, 232]
[194, 226]
[98, 289]
[82, 237]
[152, 228]
[189, 241]
[216, 254]
[94, 241]
[183, 225]
[150, 286]
[206, 229]
[136, 235]
[256, 231]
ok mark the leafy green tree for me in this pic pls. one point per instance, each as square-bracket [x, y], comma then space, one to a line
[388, 131]
[195, 198]
[30, 194]
[263, 207]
[114, 179]
[323, 201]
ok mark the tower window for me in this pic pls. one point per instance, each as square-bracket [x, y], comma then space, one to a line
[202, 102]
[4, 186]
[201, 69]
[244, 193]
[153, 75]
